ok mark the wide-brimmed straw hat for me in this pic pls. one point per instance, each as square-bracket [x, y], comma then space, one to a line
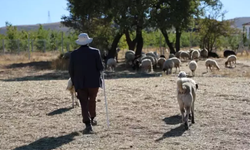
[83, 39]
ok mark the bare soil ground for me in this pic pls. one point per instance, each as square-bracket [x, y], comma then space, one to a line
[36, 113]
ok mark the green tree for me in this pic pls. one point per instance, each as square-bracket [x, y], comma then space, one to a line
[212, 29]
[41, 38]
[12, 36]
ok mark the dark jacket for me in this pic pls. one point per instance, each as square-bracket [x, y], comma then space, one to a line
[85, 67]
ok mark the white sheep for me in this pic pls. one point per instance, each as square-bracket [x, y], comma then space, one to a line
[153, 60]
[167, 66]
[195, 54]
[72, 91]
[193, 66]
[161, 61]
[177, 54]
[146, 65]
[177, 62]
[184, 55]
[211, 63]
[152, 54]
[111, 64]
[204, 53]
[186, 95]
[129, 56]
[231, 59]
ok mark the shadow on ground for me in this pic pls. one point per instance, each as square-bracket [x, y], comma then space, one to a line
[40, 65]
[178, 131]
[63, 75]
[55, 75]
[172, 120]
[59, 111]
[49, 143]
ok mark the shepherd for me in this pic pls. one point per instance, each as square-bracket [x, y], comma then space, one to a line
[85, 70]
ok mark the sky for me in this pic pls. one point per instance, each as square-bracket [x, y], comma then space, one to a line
[27, 12]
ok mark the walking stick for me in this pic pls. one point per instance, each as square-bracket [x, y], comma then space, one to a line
[105, 99]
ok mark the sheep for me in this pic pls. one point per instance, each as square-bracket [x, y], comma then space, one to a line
[182, 74]
[195, 54]
[230, 59]
[153, 60]
[193, 66]
[111, 64]
[156, 55]
[146, 65]
[177, 62]
[171, 55]
[213, 54]
[177, 54]
[72, 91]
[152, 54]
[161, 61]
[186, 95]
[184, 55]
[167, 66]
[129, 56]
[226, 53]
[211, 63]
[162, 56]
[204, 53]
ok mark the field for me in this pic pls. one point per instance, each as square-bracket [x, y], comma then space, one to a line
[36, 113]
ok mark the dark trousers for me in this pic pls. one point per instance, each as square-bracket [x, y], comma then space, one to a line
[87, 99]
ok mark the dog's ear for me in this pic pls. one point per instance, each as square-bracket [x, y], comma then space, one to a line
[196, 85]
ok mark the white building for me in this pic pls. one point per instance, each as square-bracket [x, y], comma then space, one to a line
[246, 29]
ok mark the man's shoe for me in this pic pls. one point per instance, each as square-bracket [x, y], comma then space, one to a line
[88, 130]
[94, 122]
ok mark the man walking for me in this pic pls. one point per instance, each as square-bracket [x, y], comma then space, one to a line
[85, 69]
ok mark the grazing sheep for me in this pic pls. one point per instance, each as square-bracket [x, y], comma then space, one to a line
[193, 66]
[182, 74]
[213, 54]
[184, 55]
[171, 55]
[177, 54]
[111, 64]
[153, 60]
[167, 66]
[177, 62]
[231, 59]
[211, 63]
[227, 53]
[152, 54]
[163, 56]
[186, 95]
[146, 65]
[161, 61]
[129, 56]
[195, 54]
[72, 91]
[204, 53]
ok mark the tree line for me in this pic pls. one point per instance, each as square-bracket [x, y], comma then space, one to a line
[112, 21]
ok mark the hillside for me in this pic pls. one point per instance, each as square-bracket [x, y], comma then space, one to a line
[59, 27]
[239, 21]
[53, 26]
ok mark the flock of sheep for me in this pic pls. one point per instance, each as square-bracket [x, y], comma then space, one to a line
[186, 87]
[147, 62]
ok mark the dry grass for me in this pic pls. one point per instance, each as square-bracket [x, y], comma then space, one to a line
[24, 57]
[36, 113]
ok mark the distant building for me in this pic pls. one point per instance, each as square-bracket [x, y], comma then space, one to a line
[246, 29]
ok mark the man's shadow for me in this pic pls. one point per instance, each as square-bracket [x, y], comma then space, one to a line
[49, 143]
